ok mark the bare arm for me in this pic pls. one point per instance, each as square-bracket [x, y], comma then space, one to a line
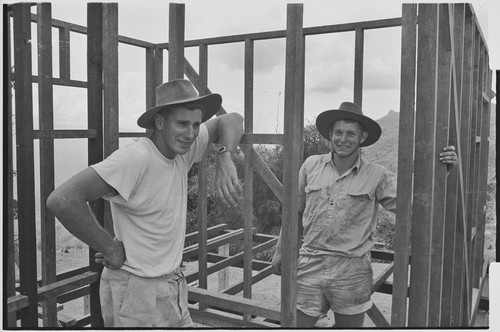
[276, 263]
[227, 130]
[69, 204]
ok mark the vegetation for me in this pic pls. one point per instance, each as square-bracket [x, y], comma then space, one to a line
[266, 207]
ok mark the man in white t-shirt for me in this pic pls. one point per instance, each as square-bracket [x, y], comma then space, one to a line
[146, 185]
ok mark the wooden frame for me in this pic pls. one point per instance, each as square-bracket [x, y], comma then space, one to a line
[445, 81]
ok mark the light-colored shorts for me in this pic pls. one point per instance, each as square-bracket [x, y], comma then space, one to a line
[342, 284]
[128, 300]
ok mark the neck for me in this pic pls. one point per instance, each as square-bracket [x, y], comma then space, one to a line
[344, 163]
[160, 145]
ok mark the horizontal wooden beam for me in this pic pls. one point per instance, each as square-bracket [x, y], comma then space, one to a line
[229, 302]
[221, 319]
[215, 242]
[235, 289]
[262, 139]
[63, 82]
[17, 302]
[132, 134]
[64, 133]
[60, 287]
[70, 296]
[235, 260]
[210, 232]
[374, 24]
[387, 255]
[83, 30]
[257, 265]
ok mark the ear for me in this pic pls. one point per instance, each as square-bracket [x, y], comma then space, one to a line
[364, 136]
[159, 121]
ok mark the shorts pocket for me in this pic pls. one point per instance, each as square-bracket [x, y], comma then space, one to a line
[138, 305]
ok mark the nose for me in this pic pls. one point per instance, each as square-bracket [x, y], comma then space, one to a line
[190, 132]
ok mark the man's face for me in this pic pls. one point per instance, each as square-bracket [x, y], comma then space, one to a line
[179, 128]
[346, 136]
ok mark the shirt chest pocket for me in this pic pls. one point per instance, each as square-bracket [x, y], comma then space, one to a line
[360, 192]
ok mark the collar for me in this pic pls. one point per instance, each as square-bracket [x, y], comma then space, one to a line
[328, 158]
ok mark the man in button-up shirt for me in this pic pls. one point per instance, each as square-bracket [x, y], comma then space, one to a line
[338, 203]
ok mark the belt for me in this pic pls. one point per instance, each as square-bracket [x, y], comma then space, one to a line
[176, 275]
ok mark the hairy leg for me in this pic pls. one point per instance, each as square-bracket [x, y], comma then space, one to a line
[356, 320]
[304, 320]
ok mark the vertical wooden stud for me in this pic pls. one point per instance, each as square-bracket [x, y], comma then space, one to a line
[45, 102]
[405, 165]
[358, 66]
[292, 152]
[176, 41]
[95, 122]
[25, 162]
[425, 156]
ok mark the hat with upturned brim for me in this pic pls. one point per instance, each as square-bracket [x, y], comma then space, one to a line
[348, 111]
[178, 92]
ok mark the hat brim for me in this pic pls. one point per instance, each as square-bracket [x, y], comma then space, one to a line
[325, 120]
[211, 104]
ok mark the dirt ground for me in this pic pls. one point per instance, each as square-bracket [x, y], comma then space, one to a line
[267, 291]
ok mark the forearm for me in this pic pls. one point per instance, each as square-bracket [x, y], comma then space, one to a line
[277, 253]
[79, 220]
[230, 130]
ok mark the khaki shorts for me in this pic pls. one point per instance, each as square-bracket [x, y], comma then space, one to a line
[343, 284]
[128, 300]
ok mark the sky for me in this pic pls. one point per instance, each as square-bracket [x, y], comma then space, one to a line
[329, 73]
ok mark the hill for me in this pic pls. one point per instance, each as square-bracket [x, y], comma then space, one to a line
[385, 153]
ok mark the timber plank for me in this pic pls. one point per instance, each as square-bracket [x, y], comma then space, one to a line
[451, 218]
[25, 160]
[47, 177]
[425, 157]
[443, 95]
[229, 302]
[176, 41]
[405, 165]
[292, 159]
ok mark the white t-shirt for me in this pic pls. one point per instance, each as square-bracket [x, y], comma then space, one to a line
[149, 214]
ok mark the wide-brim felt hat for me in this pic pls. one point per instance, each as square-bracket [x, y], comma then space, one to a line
[348, 111]
[178, 92]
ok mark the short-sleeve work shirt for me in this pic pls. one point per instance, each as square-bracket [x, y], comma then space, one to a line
[340, 210]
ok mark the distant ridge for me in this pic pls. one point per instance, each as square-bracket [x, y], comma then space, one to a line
[385, 151]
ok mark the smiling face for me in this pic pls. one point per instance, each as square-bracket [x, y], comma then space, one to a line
[176, 129]
[346, 137]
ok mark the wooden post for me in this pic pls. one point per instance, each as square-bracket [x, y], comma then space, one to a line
[443, 95]
[405, 165]
[110, 91]
[11, 264]
[203, 189]
[425, 158]
[176, 41]
[457, 24]
[292, 158]
[25, 162]
[95, 122]
[223, 275]
[248, 188]
[46, 115]
[64, 54]
[358, 66]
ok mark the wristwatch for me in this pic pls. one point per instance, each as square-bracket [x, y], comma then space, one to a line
[221, 149]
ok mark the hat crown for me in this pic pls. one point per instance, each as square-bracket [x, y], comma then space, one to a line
[350, 107]
[175, 91]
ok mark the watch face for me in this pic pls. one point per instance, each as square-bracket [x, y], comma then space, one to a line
[221, 149]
